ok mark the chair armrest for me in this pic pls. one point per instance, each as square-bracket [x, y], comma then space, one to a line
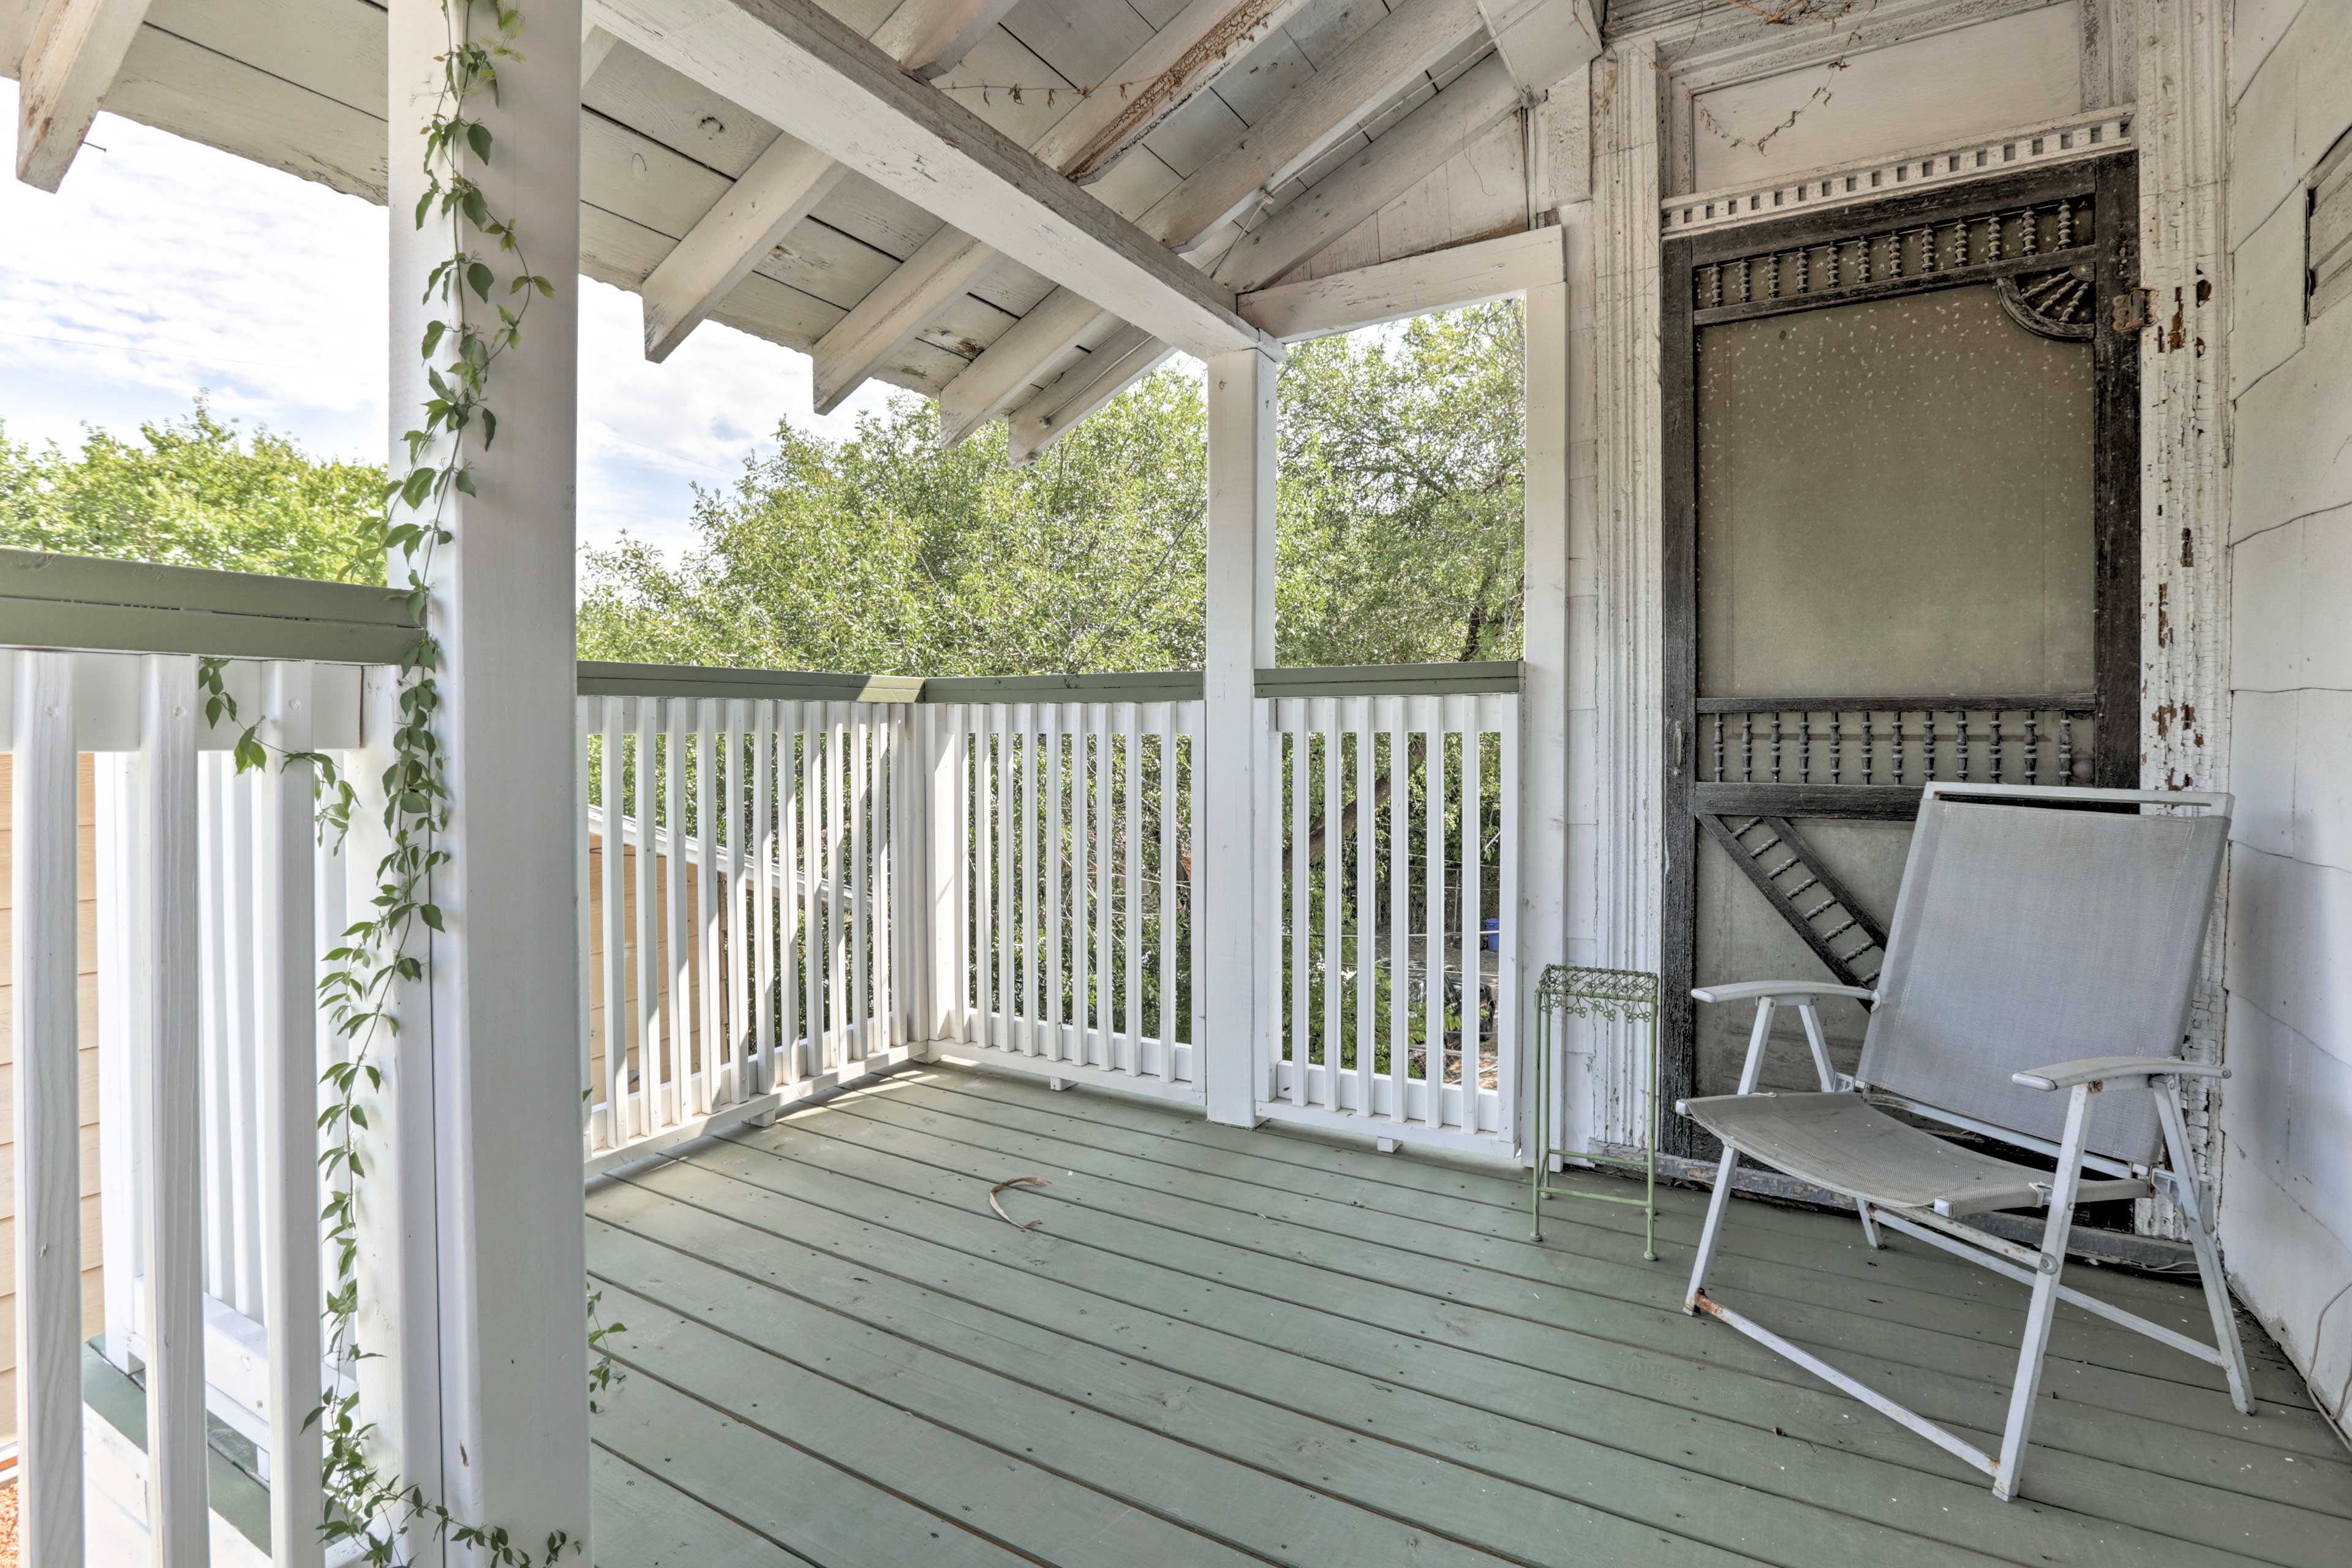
[1778, 991]
[2099, 1069]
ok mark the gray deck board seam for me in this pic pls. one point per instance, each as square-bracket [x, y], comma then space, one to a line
[1765, 1372]
[1258, 1396]
[1231, 1542]
[868, 1219]
[710, 1508]
[1524, 1316]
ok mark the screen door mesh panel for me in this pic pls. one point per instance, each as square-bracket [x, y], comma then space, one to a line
[2026, 935]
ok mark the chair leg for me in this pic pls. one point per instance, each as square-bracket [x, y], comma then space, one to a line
[1714, 1229]
[2209, 1256]
[1869, 1225]
[2010, 1475]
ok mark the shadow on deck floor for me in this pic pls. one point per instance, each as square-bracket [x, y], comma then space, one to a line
[1222, 1347]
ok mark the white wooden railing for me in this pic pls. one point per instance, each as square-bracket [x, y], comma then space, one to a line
[1389, 832]
[210, 899]
[1067, 936]
[737, 934]
[819, 876]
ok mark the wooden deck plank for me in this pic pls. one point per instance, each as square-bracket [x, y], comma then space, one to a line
[1814, 1316]
[1159, 1442]
[1970, 1396]
[643, 1521]
[817, 1508]
[1851, 1497]
[1032, 1513]
[1992, 1315]
[1418, 1188]
[1272, 1339]
[860, 1227]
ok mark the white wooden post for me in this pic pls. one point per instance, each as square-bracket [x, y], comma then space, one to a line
[508, 1220]
[1236, 983]
[1543, 692]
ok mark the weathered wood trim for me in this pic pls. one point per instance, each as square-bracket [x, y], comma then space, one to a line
[1445, 279]
[75, 48]
[1890, 802]
[931, 37]
[2063, 701]
[1418, 144]
[1543, 40]
[805, 71]
[1305, 125]
[1172, 66]
[2088, 135]
[83, 601]
[887, 320]
[2184, 412]
[2115, 494]
[1630, 848]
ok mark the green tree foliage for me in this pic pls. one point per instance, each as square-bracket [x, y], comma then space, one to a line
[1398, 535]
[194, 491]
[1398, 531]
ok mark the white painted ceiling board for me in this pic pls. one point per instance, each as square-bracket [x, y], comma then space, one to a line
[1326, 28]
[2012, 71]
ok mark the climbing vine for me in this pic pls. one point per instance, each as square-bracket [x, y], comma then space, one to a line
[480, 291]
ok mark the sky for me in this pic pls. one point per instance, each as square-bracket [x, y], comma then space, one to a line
[164, 268]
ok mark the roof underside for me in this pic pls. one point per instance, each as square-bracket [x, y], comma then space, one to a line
[299, 85]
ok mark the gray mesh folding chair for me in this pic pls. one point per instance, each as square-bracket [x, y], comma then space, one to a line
[2035, 991]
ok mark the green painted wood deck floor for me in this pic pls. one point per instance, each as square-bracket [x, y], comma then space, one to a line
[1220, 1347]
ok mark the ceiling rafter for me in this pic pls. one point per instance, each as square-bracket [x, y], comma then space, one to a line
[1162, 74]
[1374, 68]
[1420, 144]
[71, 58]
[785, 181]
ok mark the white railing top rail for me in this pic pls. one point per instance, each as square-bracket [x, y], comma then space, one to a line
[605, 679]
[81, 601]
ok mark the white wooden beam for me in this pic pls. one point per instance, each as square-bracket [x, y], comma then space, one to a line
[785, 181]
[721, 250]
[1173, 66]
[887, 320]
[1306, 124]
[1131, 354]
[1542, 41]
[931, 37]
[1416, 146]
[1413, 286]
[1004, 372]
[70, 60]
[596, 46]
[803, 69]
[1236, 987]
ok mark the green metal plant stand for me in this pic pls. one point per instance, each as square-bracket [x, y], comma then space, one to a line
[1628, 994]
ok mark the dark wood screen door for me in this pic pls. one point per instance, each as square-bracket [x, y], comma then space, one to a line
[1901, 544]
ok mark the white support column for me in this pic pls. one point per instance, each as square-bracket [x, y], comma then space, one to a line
[505, 981]
[1543, 692]
[1235, 979]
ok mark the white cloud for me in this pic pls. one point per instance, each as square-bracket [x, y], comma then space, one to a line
[163, 267]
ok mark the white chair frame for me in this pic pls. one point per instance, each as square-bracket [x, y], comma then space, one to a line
[2043, 1268]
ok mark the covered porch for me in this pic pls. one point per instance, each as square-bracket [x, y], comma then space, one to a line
[1087, 1119]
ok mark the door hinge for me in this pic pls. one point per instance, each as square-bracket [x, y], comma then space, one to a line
[2133, 310]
